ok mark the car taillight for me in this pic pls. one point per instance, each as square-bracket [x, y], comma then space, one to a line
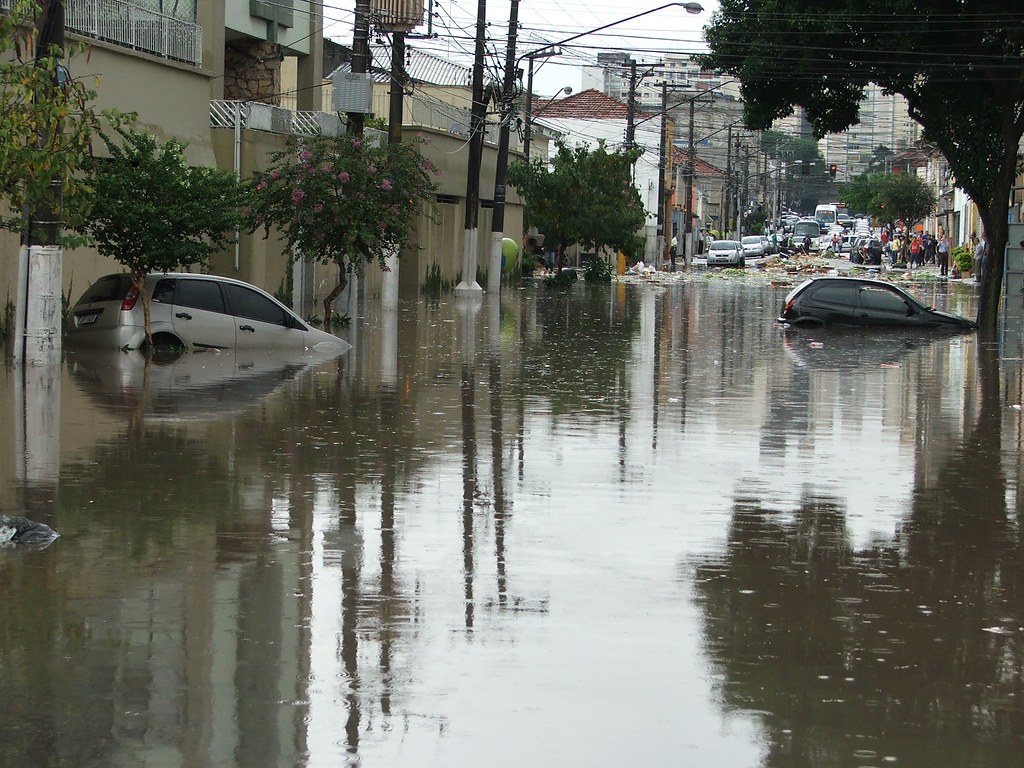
[129, 300]
[787, 306]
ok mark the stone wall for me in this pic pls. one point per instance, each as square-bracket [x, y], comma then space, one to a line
[252, 71]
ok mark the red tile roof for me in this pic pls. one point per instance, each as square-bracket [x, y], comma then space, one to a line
[703, 169]
[590, 104]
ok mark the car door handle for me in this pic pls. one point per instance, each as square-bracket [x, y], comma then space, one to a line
[247, 328]
[183, 315]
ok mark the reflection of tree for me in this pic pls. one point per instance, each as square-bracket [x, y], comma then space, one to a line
[909, 649]
[582, 352]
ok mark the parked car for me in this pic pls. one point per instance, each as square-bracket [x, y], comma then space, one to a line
[191, 311]
[753, 246]
[863, 302]
[726, 252]
[857, 250]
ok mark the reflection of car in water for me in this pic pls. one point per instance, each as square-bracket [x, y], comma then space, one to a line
[847, 348]
[188, 385]
[863, 302]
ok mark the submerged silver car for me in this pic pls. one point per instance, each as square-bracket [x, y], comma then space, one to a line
[191, 311]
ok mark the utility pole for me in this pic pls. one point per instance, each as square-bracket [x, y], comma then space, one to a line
[631, 107]
[691, 162]
[40, 281]
[360, 56]
[469, 285]
[397, 95]
[727, 196]
[662, 164]
[501, 169]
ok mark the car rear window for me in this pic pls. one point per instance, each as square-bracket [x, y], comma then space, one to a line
[109, 288]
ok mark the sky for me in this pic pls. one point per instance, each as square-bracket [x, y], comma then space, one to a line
[542, 22]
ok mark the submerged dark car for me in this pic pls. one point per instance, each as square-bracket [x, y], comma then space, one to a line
[863, 302]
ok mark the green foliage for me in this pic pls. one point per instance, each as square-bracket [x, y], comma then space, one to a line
[890, 196]
[880, 158]
[563, 279]
[153, 212]
[587, 197]
[596, 270]
[7, 320]
[433, 283]
[963, 258]
[963, 82]
[338, 197]
[45, 131]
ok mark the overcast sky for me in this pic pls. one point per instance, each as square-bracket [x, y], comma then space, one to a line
[546, 21]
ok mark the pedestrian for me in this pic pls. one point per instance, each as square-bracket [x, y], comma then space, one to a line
[894, 251]
[930, 248]
[915, 252]
[980, 254]
[673, 249]
[942, 255]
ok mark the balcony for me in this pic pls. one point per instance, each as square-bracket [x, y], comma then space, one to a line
[129, 25]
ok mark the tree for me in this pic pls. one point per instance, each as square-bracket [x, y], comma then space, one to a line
[344, 200]
[880, 158]
[45, 131]
[970, 105]
[890, 197]
[153, 212]
[585, 198]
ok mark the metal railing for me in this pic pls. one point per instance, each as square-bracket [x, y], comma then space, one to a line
[124, 23]
[266, 117]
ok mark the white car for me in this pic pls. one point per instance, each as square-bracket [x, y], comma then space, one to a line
[191, 311]
[753, 246]
[726, 253]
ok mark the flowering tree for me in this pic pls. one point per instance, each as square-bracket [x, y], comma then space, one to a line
[342, 200]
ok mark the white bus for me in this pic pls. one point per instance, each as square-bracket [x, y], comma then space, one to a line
[826, 215]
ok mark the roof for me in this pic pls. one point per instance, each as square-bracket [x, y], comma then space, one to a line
[703, 169]
[420, 67]
[590, 104]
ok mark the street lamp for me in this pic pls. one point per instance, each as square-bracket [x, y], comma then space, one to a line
[551, 49]
[528, 130]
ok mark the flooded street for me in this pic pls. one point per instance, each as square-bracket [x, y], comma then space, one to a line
[635, 525]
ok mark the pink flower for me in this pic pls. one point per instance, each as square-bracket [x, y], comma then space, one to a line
[275, 175]
[386, 185]
[297, 196]
[247, 211]
[305, 156]
[261, 186]
[394, 210]
[371, 169]
[318, 208]
[343, 177]
[327, 168]
[357, 143]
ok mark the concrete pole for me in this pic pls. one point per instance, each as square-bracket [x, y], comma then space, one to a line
[468, 285]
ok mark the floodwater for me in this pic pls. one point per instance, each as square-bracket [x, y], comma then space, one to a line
[634, 525]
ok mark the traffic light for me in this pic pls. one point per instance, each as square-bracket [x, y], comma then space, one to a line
[832, 171]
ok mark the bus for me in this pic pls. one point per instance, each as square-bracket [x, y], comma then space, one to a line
[826, 215]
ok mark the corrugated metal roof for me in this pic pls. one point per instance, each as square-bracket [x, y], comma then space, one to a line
[420, 67]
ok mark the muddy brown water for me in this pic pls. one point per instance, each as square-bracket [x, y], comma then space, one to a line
[636, 525]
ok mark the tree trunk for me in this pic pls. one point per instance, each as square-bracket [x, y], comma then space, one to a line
[997, 232]
[329, 300]
[139, 284]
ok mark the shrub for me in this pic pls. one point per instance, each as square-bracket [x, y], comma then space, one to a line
[597, 271]
[963, 258]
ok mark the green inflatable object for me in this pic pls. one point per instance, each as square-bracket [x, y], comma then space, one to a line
[509, 253]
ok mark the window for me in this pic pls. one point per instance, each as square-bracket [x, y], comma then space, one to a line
[163, 291]
[882, 299]
[837, 293]
[110, 288]
[254, 306]
[199, 294]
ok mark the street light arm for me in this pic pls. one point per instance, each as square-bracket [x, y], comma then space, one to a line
[691, 7]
